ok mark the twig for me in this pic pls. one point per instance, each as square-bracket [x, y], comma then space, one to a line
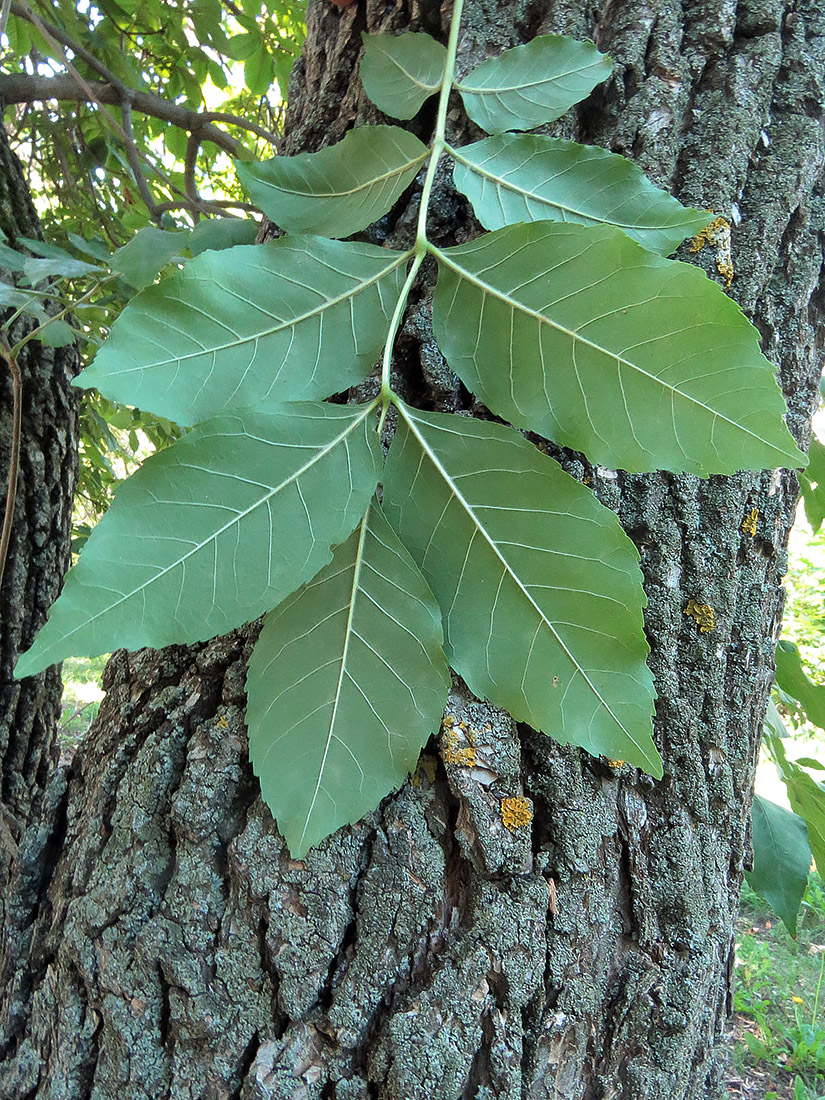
[189, 165]
[4, 15]
[24, 88]
[134, 161]
[14, 457]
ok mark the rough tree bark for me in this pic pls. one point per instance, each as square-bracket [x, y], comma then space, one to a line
[175, 950]
[39, 548]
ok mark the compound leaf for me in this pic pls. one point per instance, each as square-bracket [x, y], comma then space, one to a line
[514, 178]
[399, 72]
[346, 683]
[294, 319]
[338, 190]
[539, 586]
[529, 85]
[781, 859]
[215, 530]
[581, 335]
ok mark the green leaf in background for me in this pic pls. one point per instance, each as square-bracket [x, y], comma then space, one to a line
[196, 542]
[539, 586]
[528, 177]
[806, 796]
[581, 335]
[339, 190]
[145, 256]
[812, 485]
[529, 85]
[781, 859]
[11, 259]
[793, 680]
[399, 72]
[56, 334]
[345, 685]
[221, 233]
[259, 71]
[35, 271]
[298, 318]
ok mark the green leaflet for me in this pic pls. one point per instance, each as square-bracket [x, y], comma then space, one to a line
[530, 85]
[141, 260]
[806, 796]
[581, 335]
[794, 681]
[345, 685]
[295, 319]
[215, 530]
[781, 859]
[812, 485]
[339, 190]
[539, 586]
[528, 177]
[399, 72]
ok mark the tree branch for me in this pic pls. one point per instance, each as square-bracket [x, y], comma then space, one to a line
[22, 88]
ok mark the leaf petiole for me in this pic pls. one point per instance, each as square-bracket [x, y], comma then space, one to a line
[422, 245]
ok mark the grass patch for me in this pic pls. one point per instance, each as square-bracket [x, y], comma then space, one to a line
[82, 694]
[779, 994]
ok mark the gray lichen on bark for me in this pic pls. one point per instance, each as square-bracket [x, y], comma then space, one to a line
[177, 951]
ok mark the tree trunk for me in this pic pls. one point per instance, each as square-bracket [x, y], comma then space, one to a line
[39, 548]
[428, 952]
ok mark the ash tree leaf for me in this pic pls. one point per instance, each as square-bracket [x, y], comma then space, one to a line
[220, 233]
[812, 485]
[781, 859]
[298, 318]
[56, 334]
[539, 586]
[794, 681]
[346, 683]
[581, 335]
[807, 799]
[215, 530]
[529, 85]
[514, 178]
[35, 271]
[338, 190]
[141, 259]
[399, 72]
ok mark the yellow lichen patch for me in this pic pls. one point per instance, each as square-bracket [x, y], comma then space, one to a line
[455, 750]
[615, 763]
[749, 522]
[703, 614]
[717, 234]
[222, 723]
[516, 812]
[424, 772]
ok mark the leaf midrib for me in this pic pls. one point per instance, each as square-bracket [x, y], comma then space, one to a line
[413, 79]
[239, 516]
[406, 413]
[505, 185]
[575, 336]
[348, 633]
[477, 89]
[324, 195]
[307, 315]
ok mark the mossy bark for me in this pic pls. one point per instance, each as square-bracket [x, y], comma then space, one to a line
[39, 548]
[175, 949]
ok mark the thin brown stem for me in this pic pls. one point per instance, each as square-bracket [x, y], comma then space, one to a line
[14, 458]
